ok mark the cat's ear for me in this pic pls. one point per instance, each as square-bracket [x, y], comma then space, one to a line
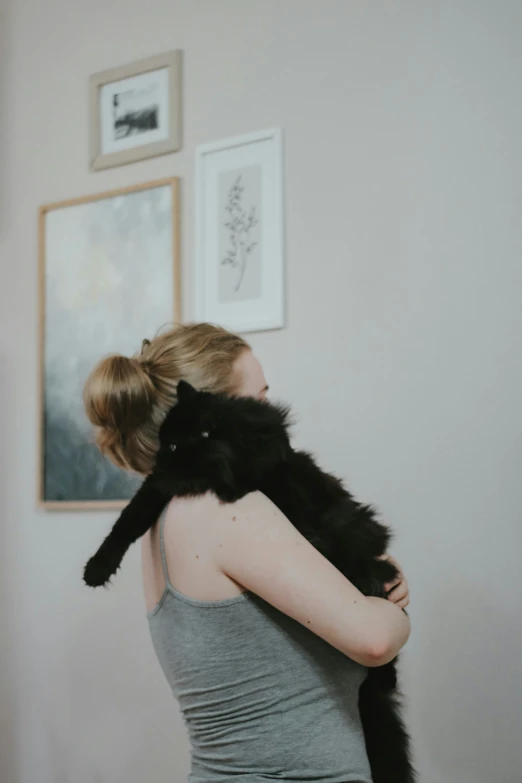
[185, 391]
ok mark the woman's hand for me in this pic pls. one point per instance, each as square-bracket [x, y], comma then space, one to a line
[398, 591]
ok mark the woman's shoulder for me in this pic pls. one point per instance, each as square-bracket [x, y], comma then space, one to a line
[195, 530]
[206, 518]
[210, 507]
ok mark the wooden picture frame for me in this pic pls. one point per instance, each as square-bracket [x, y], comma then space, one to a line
[109, 276]
[239, 258]
[135, 111]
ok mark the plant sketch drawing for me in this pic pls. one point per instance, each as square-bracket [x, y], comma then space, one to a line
[239, 222]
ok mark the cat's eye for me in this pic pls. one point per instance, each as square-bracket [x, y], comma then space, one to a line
[205, 434]
[173, 447]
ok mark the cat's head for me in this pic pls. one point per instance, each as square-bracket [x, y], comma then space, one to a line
[229, 439]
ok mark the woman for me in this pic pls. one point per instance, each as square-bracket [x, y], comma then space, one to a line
[264, 643]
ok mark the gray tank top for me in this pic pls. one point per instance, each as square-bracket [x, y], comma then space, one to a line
[263, 698]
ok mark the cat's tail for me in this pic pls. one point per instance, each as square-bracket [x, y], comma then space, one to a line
[134, 521]
[387, 741]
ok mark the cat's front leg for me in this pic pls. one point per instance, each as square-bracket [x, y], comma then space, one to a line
[133, 522]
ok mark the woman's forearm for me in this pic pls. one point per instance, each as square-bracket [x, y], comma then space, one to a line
[392, 630]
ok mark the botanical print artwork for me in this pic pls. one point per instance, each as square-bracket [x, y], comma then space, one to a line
[239, 258]
[108, 284]
[240, 231]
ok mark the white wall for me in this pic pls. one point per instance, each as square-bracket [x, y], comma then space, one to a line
[403, 125]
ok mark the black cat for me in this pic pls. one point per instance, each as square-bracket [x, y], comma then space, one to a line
[233, 446]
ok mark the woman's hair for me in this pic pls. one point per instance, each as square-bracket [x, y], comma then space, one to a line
[127, 398]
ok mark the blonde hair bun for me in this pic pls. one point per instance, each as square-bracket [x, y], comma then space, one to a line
[119, 394]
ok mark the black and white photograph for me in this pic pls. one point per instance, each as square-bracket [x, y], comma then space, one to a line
[135, 111]
[239, 232]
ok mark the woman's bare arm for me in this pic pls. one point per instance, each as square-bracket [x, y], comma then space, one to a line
[258, 547]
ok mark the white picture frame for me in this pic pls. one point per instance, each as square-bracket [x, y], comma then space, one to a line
[239, 244]
[135, 111]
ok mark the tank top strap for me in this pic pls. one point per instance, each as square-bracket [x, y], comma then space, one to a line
[162, 545]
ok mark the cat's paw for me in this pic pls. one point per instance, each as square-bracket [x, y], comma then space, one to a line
[99, 569]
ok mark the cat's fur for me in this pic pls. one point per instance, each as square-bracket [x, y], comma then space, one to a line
[232, 446]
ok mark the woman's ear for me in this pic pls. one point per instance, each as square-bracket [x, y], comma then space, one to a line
[185, 391]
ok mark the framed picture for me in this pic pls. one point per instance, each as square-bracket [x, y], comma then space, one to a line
[109, 277]
[239, 232]
[136, 111]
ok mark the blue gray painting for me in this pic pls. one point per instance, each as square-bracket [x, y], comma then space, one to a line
[108, 284]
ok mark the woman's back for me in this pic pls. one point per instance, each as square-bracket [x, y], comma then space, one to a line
[262, 696]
